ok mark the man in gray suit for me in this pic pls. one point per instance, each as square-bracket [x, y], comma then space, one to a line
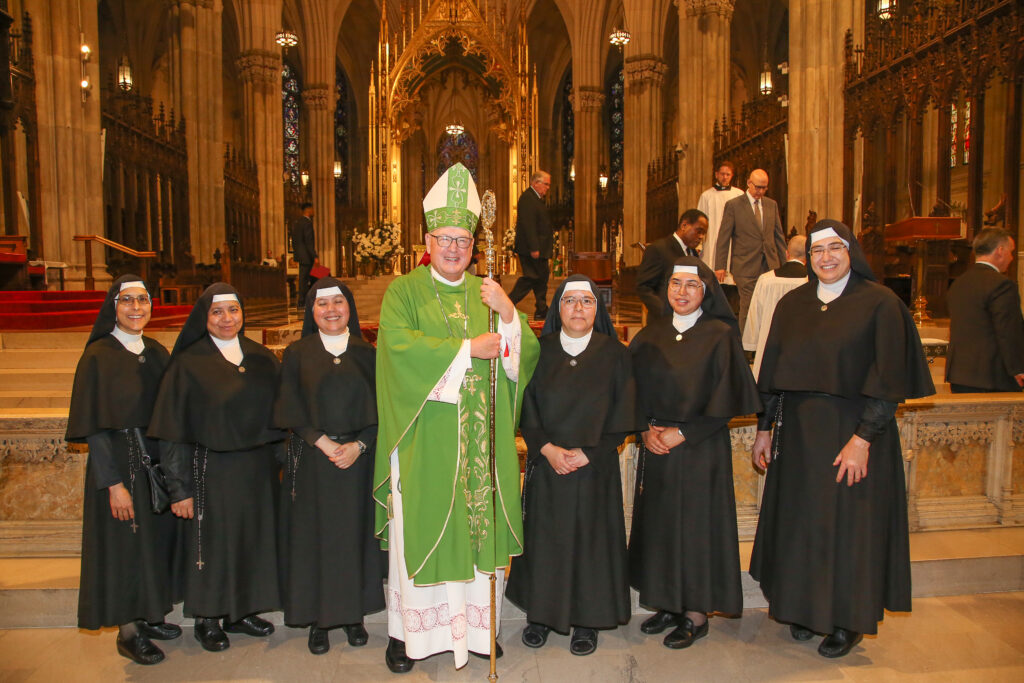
[751, 227]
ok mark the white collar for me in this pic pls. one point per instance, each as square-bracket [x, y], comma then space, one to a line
[575, 346]
[750, 198]
[536, 193]
[686, 249]
[684, 322]
[132, 342]
[335, 344]
[828, 293]
[990, 265]
[231, 349]
[444, 281]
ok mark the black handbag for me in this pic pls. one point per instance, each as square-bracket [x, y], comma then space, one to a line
[159, 496]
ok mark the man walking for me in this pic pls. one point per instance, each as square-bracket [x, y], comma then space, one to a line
[533, 243]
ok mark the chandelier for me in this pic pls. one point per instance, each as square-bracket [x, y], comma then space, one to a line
[619, 38]
[765, 83]
[124, 75]
[286, 38]
[455, 129]
[885, 9]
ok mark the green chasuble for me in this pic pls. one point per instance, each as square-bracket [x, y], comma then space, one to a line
[442, 447]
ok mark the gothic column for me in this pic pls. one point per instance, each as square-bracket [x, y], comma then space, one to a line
[586, 104]
[318, 101]
[705, 42]
[644, 76]
[196, 74]
[816, 70]
[70, 149]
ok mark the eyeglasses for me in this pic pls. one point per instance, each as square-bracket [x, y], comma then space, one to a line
[833, 249]
[444, 241]
[760, 187]
[691, 286]
[142, 300]
[584, 301]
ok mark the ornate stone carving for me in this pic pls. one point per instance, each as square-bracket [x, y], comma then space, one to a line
[317, 96]
[262, 67]
[644, 71]
[585, 98]
[703, 8]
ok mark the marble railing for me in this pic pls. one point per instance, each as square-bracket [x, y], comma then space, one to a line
[964, 459]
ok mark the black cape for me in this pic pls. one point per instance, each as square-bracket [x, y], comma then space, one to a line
[828, 555]
[573, 568]
[684, 548]
[218, 417]
[332, 567]
[127, 569]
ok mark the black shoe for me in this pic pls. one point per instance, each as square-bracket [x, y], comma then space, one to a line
[211, 636]
[800, 632]
[535, 635]
[498, 652]
[540, 316]
[251, 625]
[839, 643]
[583, 641]
[161, 631]
[685, 634]
[395, 657]
[357, 635]
[319, 643]
[659, 622]
[139, 650]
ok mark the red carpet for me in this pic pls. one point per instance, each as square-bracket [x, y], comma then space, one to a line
[29, 310]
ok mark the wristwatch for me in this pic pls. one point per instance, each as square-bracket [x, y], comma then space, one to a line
[362, 447]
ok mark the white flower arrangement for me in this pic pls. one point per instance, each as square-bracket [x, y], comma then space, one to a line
[508, 239]
[380, 242]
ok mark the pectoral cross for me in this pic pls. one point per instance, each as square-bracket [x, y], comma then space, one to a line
[458, 314]
[200, 564]
[135, 527]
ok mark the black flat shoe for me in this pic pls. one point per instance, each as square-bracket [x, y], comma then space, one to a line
[498, 652]
[357, 635]
[251, 625]
[319, 643]
[800, 632]
[395, 657]
[139, 650]
[161, 631]
[583, 641]
[839, 643]
[659, 622]
[685, 634]
[211, 636]
[535, 635]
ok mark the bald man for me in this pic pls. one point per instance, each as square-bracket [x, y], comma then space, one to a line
[751, 226]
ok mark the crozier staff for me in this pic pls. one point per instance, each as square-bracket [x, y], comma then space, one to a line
[127, 550]
[832, 550]
[578, 408]
[692, 378]
[215, 408]
[332, 566]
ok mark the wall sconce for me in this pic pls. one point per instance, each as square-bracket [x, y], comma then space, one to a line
[572, 170]
[85, 53]
[339, 170]
[602, 179]
[304, 177]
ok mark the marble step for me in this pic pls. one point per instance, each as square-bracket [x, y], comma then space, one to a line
[43, 592]
[28, 359]
[37, 379]
[27, 399]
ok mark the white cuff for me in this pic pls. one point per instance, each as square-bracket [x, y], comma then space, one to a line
[447, 388]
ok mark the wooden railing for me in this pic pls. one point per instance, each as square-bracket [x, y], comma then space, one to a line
[90, 281]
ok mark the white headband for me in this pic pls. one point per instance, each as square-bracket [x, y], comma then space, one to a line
[819, 235]
[134, 283]
[578, 286]
[327, 291]
[692, 270]
[217, 298]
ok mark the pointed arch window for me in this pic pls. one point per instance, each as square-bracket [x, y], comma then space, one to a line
[291, 91]
[616, 126]
[967, 132]
[568, 134]
[341, 135]
[953, 139]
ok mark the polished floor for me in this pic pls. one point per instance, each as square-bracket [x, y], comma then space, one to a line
[953, 639]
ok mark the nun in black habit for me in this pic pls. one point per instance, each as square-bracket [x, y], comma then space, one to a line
[215, 408]
[832, 545]
[577, 409]
[332, 567]
[127, 550]
[692, 378]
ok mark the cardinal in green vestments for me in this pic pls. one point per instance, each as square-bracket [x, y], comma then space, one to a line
[432, 479]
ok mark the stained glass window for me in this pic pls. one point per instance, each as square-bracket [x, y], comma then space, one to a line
[452, 148]
[568, 133]
[290, 96]
[953, 139]
[341, 128]
[967, 132]
[616, 127]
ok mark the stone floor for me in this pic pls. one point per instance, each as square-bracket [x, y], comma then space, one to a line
[964, 638]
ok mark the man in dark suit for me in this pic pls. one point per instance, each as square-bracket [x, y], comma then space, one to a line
[534, 240]
[660, 255]
[751, 226]
[986, 329]
[304, 249]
